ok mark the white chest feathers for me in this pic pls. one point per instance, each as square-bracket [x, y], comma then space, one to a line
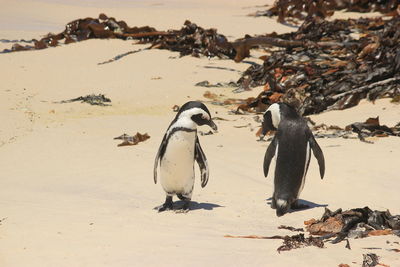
[177, 163]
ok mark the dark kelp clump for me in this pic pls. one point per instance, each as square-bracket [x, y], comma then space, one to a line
[300, 241]
[189, 40]
[370, 260]
[354, 223]
[327, 65]
[372, 127]
[294, 11]
[95, 100]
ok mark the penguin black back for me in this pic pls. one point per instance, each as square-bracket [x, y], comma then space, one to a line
[291, 146]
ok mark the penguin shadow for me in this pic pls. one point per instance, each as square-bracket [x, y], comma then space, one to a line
[194, 206]
[197, 206]
[310, 205]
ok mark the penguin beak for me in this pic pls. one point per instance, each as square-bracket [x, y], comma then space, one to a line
[212, 125]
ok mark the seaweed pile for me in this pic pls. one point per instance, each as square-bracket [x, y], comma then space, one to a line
[354, 223]
[293, 11]
[327, 65]
[341, 225]
[189, 40]
[324, 65]
[196, 41]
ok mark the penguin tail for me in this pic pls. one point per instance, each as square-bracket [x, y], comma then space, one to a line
[282, 207]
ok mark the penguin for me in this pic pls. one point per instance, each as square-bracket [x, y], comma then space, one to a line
[291, 147]
[179, 148]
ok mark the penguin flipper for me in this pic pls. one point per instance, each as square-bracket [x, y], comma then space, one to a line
[269, 154]
[159, 155]
[202, 161]
[318, 155]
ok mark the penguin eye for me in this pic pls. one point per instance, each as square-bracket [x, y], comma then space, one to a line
[203, 117]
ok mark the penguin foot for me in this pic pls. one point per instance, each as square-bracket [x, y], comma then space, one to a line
[164, 207]
[167, 205]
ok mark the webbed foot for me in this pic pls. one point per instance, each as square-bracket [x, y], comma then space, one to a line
[167, 205]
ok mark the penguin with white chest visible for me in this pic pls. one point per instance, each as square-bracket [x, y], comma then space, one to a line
[179, 149]
[291, 147]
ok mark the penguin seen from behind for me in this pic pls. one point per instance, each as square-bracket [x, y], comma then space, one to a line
[291, 147]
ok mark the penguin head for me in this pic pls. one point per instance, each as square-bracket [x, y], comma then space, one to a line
[271, 118]
[196, 112]
[275, 113]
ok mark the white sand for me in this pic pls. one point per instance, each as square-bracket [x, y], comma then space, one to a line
[71, 197]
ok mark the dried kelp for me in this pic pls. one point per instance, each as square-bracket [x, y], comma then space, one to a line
[97, 100]
[89, 28]
[295, 11]
[327, 65]
[222, 100]
[354, 223]
[219, 84]
[370, 128]
[370, 260]
[118, 57]
[299, 241]
[196, 41]
[331, 131]
[189, 40]
[291, 228]
[255, 236]
[289, 242]
[129, 140]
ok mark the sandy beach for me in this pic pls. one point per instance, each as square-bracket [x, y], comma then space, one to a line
[69, 196]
